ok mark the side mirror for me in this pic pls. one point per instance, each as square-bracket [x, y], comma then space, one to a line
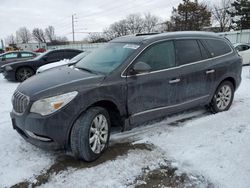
[140, 67]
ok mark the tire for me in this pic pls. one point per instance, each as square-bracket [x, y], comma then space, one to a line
[87, 138]
[223, 97]
[24, 73]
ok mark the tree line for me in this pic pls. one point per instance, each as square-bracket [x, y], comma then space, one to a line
[187, 16]
[24, 35]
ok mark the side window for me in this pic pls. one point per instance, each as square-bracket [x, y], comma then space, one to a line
[61, 55]
[70, 54]
[26, 54]
[10, 56]
[187, 51]
[217, 47]
[204, 52]
[159, 56]
[53, 56]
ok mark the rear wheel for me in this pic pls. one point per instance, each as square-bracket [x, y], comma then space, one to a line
[90, 134]
[24, 73]
[223, 97]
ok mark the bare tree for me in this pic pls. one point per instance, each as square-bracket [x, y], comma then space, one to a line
[96, 37]
[24, 35]
[150, 22]
[134, 23]
[220, 14]
[10, 40]
[39, 35]
[50, 33]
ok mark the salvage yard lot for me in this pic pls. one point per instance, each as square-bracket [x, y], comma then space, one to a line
[195, 148]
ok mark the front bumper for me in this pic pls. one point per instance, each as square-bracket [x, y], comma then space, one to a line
[9, 75]
[50, 132]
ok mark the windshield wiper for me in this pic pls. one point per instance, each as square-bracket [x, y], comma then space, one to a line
[87, 70]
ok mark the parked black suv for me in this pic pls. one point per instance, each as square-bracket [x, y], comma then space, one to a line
[21, 70]
[128, 81]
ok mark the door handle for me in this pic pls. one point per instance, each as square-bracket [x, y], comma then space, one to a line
[210, 71]
[175, 81]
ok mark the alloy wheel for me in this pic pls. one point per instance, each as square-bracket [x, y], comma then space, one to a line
[98, 134]
[223, 97]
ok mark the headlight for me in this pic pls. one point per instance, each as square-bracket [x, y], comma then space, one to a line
[49, 105]
[8, 68]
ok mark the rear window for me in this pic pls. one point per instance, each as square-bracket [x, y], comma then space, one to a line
[217, 47]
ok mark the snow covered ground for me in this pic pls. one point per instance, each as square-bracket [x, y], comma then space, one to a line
[215, 148]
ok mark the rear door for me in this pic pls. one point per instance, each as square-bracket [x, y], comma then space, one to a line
[151, 94]
[196, 73]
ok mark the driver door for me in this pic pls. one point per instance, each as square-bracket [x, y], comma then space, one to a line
[150, 94]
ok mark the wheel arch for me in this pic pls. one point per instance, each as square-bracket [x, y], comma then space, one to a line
[113, 111]
[23, 66]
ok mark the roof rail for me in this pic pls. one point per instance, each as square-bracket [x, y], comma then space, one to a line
[143, 34]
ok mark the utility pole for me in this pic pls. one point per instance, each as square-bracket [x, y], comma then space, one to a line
[73, 27]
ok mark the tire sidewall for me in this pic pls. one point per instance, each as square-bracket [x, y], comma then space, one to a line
[80, 134]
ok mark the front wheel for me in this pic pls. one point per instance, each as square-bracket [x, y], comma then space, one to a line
[24, 73]
[90, 134]
[223, 97]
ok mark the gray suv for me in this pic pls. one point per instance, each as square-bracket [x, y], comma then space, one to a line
[126, 82]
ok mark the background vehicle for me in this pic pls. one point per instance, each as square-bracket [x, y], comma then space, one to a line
[10, 57]
[40, 50]
[72, 61]
[126, 82]
[21, 70]
[244, 51]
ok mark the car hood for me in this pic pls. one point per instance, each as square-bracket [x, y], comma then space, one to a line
[57, 81]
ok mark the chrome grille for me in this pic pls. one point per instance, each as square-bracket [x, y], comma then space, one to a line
[20, 102]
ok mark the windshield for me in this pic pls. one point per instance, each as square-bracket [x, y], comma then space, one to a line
[79, 56]
[107, 58]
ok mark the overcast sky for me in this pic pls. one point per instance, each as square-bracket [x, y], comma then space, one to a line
[91, 15]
